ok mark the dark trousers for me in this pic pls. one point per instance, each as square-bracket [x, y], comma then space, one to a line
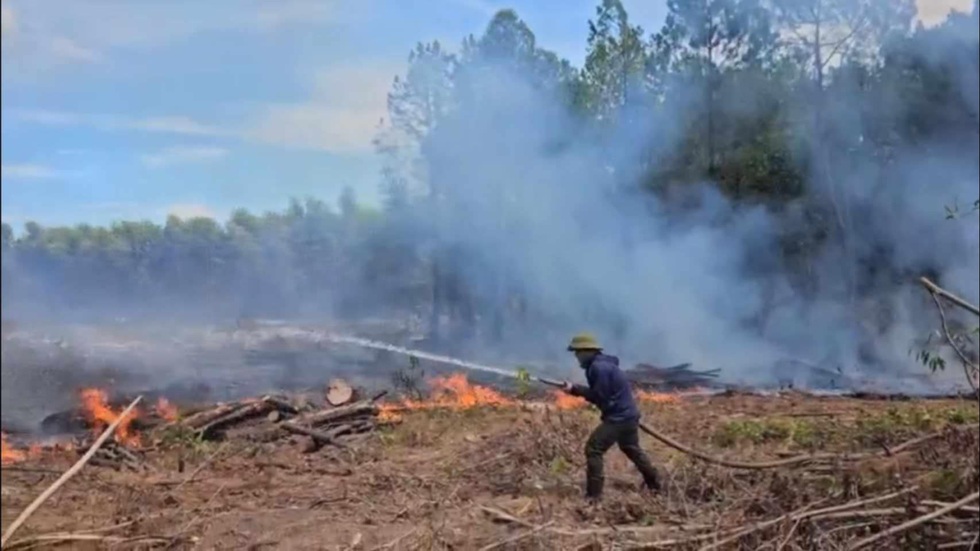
[627, 436]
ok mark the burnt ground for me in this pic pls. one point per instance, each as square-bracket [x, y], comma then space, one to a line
[512, 479]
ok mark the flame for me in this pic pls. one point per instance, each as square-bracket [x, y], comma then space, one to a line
[657, 397]
[166, 410]
[388, 413]
[456, 392]
[567, 401]
[9, 454]
[564, 400]
[95, 404]
[452, 392]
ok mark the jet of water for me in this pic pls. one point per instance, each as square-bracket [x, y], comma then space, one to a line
[377, 345]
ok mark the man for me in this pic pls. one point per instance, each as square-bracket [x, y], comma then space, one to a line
[610, 391]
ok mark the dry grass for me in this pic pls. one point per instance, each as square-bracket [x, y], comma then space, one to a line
[512, 479]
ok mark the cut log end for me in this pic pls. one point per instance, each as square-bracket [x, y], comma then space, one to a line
[340, 393]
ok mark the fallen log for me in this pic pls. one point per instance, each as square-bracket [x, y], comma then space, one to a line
[202, 418]
[249, 411]
[321, 438]
[678, 376]
[323, 417]
[283, 406]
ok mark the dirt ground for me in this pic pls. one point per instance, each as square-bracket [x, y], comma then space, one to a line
[512, 478]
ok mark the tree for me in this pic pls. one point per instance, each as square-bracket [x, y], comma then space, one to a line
[416, 106]
[702, 39]
[615, 61]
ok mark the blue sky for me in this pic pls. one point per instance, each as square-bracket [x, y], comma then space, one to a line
[133, 109]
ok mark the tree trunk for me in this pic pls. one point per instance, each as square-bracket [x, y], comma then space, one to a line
[437, 300]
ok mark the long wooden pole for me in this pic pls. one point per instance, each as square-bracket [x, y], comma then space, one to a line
[69, 473]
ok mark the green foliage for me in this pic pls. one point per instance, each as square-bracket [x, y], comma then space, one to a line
[757, 431]
[894, 425]
[946, 482]
[962, 416]
[931, 359]
[523, 382]
[177, 436]
[929, 355]
[872, 429]
[559, 466]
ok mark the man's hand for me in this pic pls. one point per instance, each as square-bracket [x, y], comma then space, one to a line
[567, 387]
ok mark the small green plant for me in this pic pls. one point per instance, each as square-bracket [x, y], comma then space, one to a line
[894, 424]
[962, 416]
[945, 482]
[758, 431]
[558, 466]
[523, 382]
[178, 436]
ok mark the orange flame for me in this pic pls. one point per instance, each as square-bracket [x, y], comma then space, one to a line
[567, 401]
[452, 392]
[9, 454]
[657, 397]
[456, 392]
[166, 410]
[95, 404]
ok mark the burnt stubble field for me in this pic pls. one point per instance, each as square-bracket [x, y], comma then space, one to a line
[468, 468]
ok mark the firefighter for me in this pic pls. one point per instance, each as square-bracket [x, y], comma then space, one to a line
[610, 391]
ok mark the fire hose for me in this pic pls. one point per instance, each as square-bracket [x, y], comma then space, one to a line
[788, 462]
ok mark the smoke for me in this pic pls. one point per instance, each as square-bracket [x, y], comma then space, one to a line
[548, 210]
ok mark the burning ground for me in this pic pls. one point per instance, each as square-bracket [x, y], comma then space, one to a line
[467, 467]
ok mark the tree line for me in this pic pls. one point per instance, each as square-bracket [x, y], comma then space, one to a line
[807, 108]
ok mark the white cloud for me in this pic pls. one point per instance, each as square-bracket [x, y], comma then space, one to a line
[164, 125]
[342, 115]
[174, 125]
[183, 155]
[933, 12]
[26, 42]
[190, 210]
[59, 31]
[28, 172]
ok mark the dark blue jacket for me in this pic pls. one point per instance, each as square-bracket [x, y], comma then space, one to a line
[609, 390]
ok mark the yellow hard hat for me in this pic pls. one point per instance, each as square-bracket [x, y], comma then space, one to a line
[584, 341]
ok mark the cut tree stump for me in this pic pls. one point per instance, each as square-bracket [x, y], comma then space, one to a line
[339, 393]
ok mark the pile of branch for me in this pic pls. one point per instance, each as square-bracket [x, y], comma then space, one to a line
[215, 422]
[331, 426]
[678, 377]
[114, 455]
[858, 524]
[272, 418]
